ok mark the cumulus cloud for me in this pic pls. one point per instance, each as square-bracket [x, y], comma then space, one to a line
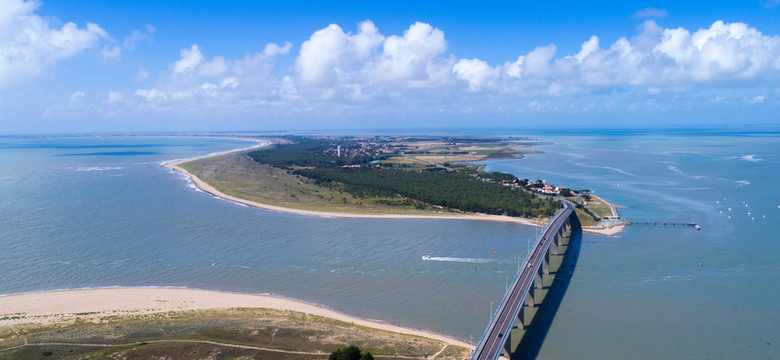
[476, 72]
[28, 44]
[198, 80]
[334, 64]
[724, 53]
[337, 70]
[413, 56]
[330, 53]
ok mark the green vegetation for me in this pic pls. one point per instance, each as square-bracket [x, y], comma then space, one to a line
[351, 352]
[369, 172]
[212, 334]
[449, 189]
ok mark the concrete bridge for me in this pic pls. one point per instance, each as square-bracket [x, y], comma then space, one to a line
[511, 312]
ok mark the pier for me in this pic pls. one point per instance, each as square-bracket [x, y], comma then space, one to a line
[664, 223]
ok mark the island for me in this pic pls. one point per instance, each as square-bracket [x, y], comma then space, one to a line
[393, 177]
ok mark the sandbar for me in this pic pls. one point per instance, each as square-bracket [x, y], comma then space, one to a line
[90, 304]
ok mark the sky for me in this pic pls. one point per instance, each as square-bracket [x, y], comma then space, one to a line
[148, 66]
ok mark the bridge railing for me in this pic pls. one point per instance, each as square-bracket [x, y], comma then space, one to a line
[503, 304]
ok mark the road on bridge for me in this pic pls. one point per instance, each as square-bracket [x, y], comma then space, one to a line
[497, 332]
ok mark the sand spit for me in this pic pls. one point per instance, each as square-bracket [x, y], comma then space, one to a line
[92, 304]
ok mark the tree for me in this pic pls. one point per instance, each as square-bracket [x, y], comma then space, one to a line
[351, 352]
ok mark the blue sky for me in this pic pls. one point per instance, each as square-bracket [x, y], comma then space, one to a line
[119, 66]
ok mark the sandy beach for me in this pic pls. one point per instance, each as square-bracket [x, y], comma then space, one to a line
[90, 304]
[609, 231]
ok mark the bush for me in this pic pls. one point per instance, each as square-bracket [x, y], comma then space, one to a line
[350, 353]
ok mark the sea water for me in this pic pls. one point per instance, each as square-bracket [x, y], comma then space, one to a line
[82, 212]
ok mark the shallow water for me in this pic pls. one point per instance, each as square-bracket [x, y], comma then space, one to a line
[92, 212]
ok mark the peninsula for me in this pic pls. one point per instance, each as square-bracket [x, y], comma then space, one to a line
[391, 177]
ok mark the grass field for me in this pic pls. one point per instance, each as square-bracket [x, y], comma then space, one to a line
[212, 334]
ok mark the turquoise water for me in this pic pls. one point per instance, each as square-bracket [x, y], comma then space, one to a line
[100, 211]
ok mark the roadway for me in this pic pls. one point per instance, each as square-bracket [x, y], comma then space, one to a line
[492, 342]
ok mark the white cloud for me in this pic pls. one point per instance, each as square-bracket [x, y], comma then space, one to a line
[151, 94]
[412, 56]
[272, 49]
[76, 98]
[190, 59]
[114, 52]
[140, 75]
[655, 59]
[28, 44]
[137, 36]
[114, 97]
[476, 72]
[757, 99]
[650, 12]
[111, 52]
[329, 52]
[337, 71]
[197, 81]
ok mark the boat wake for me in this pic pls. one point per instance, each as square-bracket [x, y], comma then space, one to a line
[461, 260]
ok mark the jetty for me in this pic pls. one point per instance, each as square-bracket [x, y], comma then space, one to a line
[667, 223]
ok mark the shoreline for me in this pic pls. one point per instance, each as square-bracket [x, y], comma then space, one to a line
[58, 306]
[206, 187]
[202, 185]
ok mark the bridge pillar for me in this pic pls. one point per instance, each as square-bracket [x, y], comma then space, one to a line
[520, 322]
[546, 263]
[538, 280]
[529, 299]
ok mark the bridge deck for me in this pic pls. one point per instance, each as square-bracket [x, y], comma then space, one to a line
[492, 342]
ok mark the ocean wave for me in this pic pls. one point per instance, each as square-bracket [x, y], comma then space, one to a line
[740, 183]
[98, 168]
[748, 157]
[675, 169]
[191, 184]
[751, 158]
[462, 260]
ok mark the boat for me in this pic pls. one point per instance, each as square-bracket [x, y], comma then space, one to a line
[426, 257]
